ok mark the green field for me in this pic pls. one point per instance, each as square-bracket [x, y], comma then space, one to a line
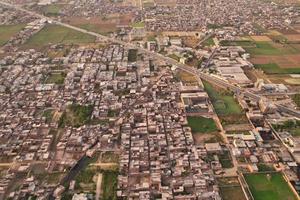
[243, 43]
[55, 78]
[273, 68]
[296, 99]
[8, 31]
[55, 34]
[76, 115]
[269, 187]
[138, 25]
[209, 42]
[291, 126]
[202, 125]
[52, 9]
[109, 185]
[223, 101]
[269, 48]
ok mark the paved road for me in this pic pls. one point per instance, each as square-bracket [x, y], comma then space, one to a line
[156, 55]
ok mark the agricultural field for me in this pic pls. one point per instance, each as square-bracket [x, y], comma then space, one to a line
[230, 189]
[8, 31]
[273, 68]
[202, 124]
[100, 24]
[269, 187]
[55, 34]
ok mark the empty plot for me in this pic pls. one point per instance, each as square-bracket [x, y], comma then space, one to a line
[261, 38]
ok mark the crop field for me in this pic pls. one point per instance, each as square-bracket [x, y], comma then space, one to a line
[269, 187]
[8, 31]
[271, 48]
[55, 34]
[102, 25]
[273, 68]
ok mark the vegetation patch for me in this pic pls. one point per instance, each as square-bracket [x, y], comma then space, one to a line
[109, 185]
[76, 115]
[270, 48]
[273, 68]
[48, 114]
[138, 25]
[202, 124]
[132, 55]
[291, 126]
[8, 31]
[296, 99]
[55, 78]
[55, 34]
[265, 186]
[209, 42]
[243, 43]
[52, 9]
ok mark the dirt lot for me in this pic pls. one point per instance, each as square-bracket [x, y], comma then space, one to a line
[101, 24]
[293, 37]
[262, 38]
[285, 61]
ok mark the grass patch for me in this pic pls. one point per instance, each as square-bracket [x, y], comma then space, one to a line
[225, 105]
[52, 10]
[175, 57]
[55, 34]
[138, 25]
[264, 167]
[109, 185]
[8, 31]
[273, 68]
[243, 43]
[76, 115]
[267, 48]
[55, 78]
[202, 124]
[296, 99]
[225, 160]
[48, 114]
[209, 42]
[132, 55]
[291, 126]
[109, 157]
[222, 100]
[269, 187]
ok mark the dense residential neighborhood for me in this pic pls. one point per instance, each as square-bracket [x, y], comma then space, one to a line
[149, 99]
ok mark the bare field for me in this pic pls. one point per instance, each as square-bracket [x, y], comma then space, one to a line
[171, 3]
[293, 37]
[261, 38]
[285, 61]
[101, 24]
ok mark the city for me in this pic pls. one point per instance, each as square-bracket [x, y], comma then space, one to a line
[150, 99]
